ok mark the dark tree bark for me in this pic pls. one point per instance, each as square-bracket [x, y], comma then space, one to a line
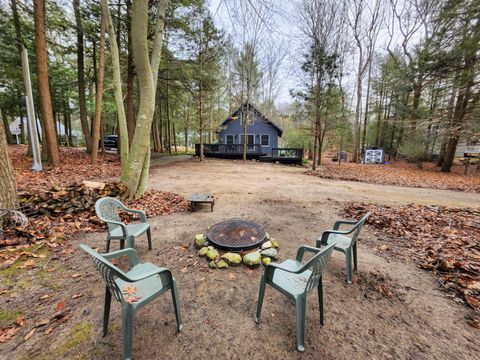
[6, 125]
[81, 77]
[8, 190]
[44, 88]
[130, 80]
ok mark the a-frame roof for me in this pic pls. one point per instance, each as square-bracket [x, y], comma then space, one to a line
[259, 115]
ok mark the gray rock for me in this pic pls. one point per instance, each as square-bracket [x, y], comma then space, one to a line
[266, 245]
[202, 252]
[252, 259]
[199, 241]
[266, 261]
[271, 253]
[232, 258]
[212, 254]
[222, 264]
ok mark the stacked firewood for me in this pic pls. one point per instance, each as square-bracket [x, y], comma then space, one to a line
[67, 200]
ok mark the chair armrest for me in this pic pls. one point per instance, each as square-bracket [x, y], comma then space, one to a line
[150, 273]
[131, 253]
[323, 240]
[272, 267]
[338, 223]
[304, 248]
[122, 225]
[141, 213]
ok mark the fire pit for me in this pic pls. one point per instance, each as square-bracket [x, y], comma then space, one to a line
[236, 235]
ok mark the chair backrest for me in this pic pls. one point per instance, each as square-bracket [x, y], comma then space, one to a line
[316, 265]
[108, 271]
[358, 227]
[107, 209]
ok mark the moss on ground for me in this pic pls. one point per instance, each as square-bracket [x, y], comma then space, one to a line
[80, 333]
[7, 318]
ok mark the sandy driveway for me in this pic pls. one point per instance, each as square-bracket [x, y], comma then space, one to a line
[393, 310]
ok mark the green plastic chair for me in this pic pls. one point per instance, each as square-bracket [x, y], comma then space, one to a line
[345, 241]
[107, 211]
[296, 281]
[149, 281]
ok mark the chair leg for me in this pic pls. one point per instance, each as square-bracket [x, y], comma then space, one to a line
[300, 305]
[348, 256]
[131, 242]
[107, 249]
[127, 331]
[122, 244]
[176, 305]
[320, 299]
[355, 257]
[261, 295]
[149, 237]
[106, 311]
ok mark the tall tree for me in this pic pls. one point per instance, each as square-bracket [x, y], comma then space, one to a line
[364, 22]
[8, 190]
[82, 101]
[99, 94]
[48, 122]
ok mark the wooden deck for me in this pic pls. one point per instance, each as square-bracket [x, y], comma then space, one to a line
[235, 151]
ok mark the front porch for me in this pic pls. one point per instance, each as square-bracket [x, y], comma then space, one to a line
[254, 151]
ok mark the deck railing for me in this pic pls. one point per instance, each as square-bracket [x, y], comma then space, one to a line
[254, 151]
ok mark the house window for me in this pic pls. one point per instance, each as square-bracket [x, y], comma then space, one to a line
[250, 139]
[229, 139]
[265, 140]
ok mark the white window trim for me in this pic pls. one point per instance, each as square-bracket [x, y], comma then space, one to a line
[233, 137]
[268, 145]
[240, 138]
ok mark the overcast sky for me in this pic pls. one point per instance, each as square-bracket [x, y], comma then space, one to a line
[281, 25]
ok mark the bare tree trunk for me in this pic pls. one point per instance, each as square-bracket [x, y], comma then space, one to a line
[367, 100]
[139, 158]
[117, 82]
[130, 79]
[8, 134]
[44, 90]
[174, 136]
[8, 190]
[99, 95]
[82, 102]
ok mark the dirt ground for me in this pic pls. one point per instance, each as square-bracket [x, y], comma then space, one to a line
[394, 310]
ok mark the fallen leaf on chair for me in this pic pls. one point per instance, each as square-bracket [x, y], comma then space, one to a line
[132, 299]
[29, 335]
[129, 290]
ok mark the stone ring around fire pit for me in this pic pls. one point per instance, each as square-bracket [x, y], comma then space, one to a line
[236, 235]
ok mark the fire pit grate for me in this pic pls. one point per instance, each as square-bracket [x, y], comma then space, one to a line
[236, 235]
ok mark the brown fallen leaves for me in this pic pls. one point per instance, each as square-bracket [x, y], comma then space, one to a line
[439, 239]
[402, 174]
[75, 167]
[54, 225]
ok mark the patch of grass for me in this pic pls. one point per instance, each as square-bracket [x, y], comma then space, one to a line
[7, 318]
[17, 268]
[80, 333]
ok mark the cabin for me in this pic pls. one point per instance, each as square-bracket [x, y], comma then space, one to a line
[262, 139]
